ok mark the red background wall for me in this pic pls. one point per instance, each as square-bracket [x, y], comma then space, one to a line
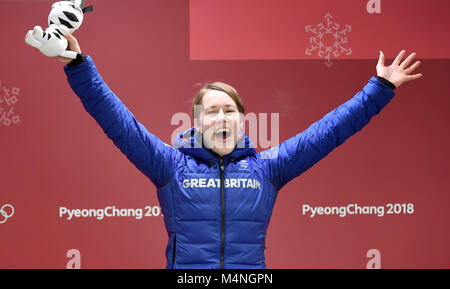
[154, 55]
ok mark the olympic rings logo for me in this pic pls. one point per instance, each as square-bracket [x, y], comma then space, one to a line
[5, 214]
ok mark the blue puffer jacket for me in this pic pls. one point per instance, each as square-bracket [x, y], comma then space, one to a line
[216, 210]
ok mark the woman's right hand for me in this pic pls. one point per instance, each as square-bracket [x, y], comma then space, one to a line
[72, 45]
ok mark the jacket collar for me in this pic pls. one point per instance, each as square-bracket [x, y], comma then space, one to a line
[191, 142]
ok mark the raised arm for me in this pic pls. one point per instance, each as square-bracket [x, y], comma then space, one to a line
[297, 154]
[148, 153]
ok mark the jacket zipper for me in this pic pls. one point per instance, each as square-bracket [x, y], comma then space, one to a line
[222, 185]
[174, 250]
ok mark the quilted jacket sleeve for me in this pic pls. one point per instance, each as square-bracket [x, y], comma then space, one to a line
[297, 154]
[148, 153]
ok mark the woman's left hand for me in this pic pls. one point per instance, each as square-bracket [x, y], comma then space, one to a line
[397, 72]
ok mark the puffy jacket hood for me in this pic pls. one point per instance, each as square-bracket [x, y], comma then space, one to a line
[191, 142]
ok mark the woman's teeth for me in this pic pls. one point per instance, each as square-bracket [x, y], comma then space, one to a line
[223, 133]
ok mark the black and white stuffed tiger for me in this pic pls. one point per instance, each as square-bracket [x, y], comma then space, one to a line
[65, 17]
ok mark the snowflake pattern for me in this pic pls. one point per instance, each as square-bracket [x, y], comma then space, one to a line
[327, 40]
[8, 97]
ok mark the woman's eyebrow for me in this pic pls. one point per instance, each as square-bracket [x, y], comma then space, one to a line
[215, 106]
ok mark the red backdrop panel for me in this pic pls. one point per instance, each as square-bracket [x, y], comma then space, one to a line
[293, 29]
[54, 155]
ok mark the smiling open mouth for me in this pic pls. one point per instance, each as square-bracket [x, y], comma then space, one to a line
[223, 135]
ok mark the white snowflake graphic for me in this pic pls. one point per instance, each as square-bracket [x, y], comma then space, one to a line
[8, 97]
[327, 40]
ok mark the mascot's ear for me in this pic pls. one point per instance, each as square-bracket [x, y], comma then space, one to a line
[80, 3]
[88, 9]
[85, 9]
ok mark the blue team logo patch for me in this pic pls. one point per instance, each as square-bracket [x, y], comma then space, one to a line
[243, 165]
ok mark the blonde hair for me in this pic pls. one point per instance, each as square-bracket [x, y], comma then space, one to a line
[220, 86]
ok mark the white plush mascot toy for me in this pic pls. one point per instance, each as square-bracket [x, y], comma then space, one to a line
[65, 17]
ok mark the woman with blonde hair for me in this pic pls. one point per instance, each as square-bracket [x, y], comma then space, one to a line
[216, 192]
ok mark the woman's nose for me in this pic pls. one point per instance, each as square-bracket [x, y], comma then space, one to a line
[221, 115]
